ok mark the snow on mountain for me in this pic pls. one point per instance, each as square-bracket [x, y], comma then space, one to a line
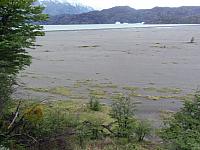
[58, 7]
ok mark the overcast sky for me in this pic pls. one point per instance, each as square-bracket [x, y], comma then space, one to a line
[138, 4]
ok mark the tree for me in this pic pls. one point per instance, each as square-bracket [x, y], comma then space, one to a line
[182, 132]
[5, 90]
[17, 32]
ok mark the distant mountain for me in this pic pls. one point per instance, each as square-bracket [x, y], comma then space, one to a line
[58, 7]
[125, 14]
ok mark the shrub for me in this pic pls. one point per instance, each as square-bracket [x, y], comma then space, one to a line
[89, 130]
[94, 104]
[182, 131]
[35, 126]
[142, 129]
[123, 113]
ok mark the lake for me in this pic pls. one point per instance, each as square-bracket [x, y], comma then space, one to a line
[108, 26]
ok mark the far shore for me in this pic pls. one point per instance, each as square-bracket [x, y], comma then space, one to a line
[82, 27]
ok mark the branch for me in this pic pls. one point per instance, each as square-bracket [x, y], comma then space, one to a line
[16, 115]
[31, 137]
[108, 127]
[2, 135]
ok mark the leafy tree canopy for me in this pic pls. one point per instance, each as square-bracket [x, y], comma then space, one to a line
[183, 131]
[17, 32]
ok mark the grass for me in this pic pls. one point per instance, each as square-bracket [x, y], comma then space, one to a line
[104, 85]
[160, 97]
[81, 83]
[38, 89]
[134, 94]
[80, 110]
[57, 90]
[170, 90]
[61, 114]
[116, 95]
[78, 97]
[149, 89]
[155, 98]
[186, 97]
[163, 90]
[98, 93]
[166, 114]
[61, 91]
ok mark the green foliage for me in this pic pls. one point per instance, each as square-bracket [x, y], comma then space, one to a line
[122, 112]
[88, 130]
[142, 129]
[183, 130]
[36, 124]
[17, 33]
[94, 104]
[55, 122]
[6, 83]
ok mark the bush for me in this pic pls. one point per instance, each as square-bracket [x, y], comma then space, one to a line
[89, 130]
[35, 126]
[143, 129]
[182, 131]
[94, 104]
[123, 113]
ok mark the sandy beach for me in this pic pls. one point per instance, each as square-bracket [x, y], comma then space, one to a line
[157, 67]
